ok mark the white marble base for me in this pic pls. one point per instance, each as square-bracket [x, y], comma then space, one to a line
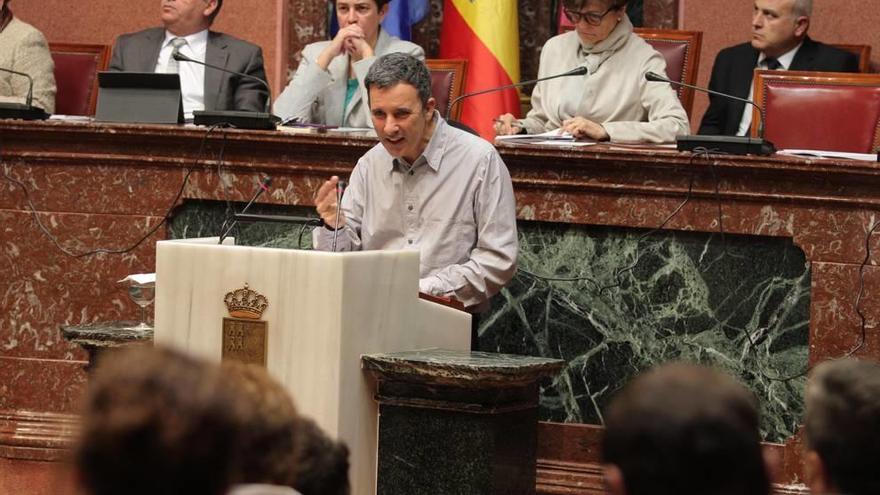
[325, 311]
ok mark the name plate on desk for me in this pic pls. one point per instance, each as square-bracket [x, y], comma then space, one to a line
[244, 334]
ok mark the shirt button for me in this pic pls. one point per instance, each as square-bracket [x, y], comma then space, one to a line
[410, 207]
[412, 172]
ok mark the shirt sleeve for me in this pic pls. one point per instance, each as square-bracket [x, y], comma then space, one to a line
[666, 117]
[299, 97]
[492, 262]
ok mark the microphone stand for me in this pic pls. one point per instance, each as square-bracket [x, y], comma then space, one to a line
[239, 119]
[264, 186]
[734, 145]
[25, 111]
[577, 71]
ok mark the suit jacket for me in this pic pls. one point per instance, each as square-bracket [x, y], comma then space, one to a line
[139, 52]
[317, 96]
[733, 72]
[24, 49]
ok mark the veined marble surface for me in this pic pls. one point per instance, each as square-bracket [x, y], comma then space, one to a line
[741, 305]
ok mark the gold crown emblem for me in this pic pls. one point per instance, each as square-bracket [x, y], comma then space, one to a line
[245, 303]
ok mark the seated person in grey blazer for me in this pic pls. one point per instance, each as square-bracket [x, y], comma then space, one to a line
[328, 86]
[186, 24]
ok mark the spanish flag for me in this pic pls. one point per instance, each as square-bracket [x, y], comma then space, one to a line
[486, 33]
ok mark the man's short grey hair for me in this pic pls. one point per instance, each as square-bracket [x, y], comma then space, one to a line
[802, 8]
[842, 422]
[395, 68]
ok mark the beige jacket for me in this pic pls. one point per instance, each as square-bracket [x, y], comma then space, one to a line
[614, 94]
[24, 49]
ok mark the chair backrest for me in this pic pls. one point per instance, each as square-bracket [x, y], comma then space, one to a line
[681, 49]
[447, 83]
[862, 51]
[819, 110]
[76, 76]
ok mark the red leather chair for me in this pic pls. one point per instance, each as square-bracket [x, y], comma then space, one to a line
[863, 52]
[447, 83]
[76, 76]
[681, 49]
[827, 111]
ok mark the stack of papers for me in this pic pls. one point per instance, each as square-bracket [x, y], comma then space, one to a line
[550, 138]
[869, 157]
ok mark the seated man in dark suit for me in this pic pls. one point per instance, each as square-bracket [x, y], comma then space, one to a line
[779, 41]
[186, 28]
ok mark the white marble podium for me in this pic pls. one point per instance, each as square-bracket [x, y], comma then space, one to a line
[325, 311]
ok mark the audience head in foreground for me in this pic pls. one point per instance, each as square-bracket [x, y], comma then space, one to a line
[684, 430]
[322, 463]
[843, 428]
[157, 421]
[268, 440]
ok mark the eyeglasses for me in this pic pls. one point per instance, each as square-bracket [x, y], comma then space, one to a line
[592, 18]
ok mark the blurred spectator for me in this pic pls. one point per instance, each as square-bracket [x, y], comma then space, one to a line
[843, 428]
[267, 450]
[157, 421]
[684, 430]
[322, 467]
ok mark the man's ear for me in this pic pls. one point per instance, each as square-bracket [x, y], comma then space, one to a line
[210, 7]
[801, 24]
[613, 479]
[430, 106]
[817, 476]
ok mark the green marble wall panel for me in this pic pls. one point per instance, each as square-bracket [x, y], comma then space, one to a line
[740, 304]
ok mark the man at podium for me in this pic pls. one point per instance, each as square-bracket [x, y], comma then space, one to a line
[425, 186]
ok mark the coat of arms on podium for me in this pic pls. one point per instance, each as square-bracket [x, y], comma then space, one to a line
[244, 334]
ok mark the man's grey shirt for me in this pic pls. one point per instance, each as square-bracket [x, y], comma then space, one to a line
[455, 205]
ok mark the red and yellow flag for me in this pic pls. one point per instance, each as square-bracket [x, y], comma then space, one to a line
[486, 33]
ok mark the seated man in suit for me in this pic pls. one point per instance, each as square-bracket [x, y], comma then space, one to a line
[842, 427]
[779, 41]
[186, 28]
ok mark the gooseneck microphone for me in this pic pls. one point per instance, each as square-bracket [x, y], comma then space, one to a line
[737, 145]
[340, 189]
[263, 187]
[577, 71]
[240, 119]
[24, 111]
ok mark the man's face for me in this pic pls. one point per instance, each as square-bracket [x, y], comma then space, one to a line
[403, 125]
[185, 17]
[775, 29]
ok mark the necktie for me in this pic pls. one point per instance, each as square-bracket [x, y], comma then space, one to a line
[772, 64]
[173, 66]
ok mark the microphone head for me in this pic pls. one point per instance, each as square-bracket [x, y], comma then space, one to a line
[579, 71]
[267, 181]
[176, 55]
[341, 185]
[653, 76]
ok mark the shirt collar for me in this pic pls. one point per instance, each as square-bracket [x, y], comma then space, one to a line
[434, 151]
[195, 41]
[785, 59]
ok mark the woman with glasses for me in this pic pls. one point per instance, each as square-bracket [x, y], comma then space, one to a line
[24, 49]
[328, 86]
[613, 101]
